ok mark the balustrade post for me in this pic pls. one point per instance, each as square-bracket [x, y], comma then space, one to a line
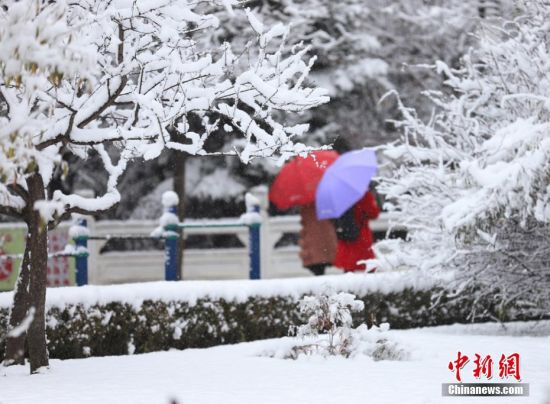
[81, 252]
[169, 221]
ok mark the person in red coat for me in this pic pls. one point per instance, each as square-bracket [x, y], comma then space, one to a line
[348, 253]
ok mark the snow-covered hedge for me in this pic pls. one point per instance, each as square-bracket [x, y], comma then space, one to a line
[138, 318]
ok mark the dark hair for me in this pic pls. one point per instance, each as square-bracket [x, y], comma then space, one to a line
[341, 145]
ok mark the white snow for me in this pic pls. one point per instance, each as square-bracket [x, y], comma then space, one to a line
[168, 218]
[70, 249]
[169, 199]
[24, 326]
[197, 184]
[251, 202]
[48, 209]
[209, 185]
[256, 24]
[242, 374]
[250, 218]
[233, 290]
[76, 231]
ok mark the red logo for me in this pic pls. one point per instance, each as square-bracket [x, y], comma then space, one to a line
[458, 364]
[508, 366]
[483, 366]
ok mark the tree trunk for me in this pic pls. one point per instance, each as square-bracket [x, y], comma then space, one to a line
[179, 159]
[15, 345]
[38, 243]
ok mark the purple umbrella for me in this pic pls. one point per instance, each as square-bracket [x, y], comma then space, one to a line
[345, 182]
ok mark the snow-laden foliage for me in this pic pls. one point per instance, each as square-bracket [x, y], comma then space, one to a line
[36, 49]
[77, 76]
[328, 313]
[329, 330]
[472, 184]
[363, 47]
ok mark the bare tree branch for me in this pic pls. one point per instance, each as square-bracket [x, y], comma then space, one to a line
[10, 211]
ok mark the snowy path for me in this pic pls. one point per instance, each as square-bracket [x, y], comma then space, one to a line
[234, 374]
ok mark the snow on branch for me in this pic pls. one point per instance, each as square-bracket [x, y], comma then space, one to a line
[124, 80]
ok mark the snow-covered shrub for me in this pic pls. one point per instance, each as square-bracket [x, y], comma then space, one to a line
[329, 330]
[330, 315]
[472, 184]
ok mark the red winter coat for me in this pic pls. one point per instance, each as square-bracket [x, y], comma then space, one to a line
[349, 252]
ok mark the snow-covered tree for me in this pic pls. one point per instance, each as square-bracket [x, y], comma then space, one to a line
[472, 184]
[121, 81]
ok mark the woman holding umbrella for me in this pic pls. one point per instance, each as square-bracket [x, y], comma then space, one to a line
[343, 195]
[352, 252]
[295, 185]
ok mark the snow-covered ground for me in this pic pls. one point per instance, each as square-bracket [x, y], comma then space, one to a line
[239, 374]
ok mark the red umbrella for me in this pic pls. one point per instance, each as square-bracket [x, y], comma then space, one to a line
[297, 181]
